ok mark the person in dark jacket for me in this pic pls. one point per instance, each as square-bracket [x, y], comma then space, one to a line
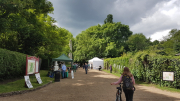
[86, 67]
[100, 68]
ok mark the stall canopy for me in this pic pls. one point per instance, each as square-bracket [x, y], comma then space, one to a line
[96, 62]
[63, 57]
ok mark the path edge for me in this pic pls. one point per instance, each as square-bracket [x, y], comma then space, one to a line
[23, 91]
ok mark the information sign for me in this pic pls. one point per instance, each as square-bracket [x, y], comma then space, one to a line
[38, 78]
[168, 76]
[28, 82]
[32, 65]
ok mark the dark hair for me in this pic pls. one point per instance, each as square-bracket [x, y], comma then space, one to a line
[127, 72]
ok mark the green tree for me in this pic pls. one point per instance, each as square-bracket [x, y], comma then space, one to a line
[171, 42]
[137, 42]
[108, 40]
[109, 19]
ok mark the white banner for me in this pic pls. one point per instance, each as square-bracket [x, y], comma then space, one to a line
[28, 82]
[168, 76]
[72, 74]
[38, 78]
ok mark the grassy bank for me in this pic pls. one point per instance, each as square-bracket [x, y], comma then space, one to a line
[147, 84]
[19, 85]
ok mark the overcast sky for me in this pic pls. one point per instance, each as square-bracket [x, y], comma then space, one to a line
[153, 18]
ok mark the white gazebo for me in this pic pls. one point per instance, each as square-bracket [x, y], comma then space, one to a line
[96, 62]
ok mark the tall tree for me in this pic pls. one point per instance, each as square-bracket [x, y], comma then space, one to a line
[108, 40]
[137, 42]
[109, 19]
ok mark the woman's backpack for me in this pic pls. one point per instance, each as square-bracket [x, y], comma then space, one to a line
[127, 82]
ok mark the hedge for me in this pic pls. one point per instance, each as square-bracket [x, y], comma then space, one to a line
[12, 64]
[147, 67]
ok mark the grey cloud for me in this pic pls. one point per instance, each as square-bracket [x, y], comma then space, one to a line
[78, 15]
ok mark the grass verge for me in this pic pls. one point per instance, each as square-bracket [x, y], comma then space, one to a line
[19, 85]
[148, 84]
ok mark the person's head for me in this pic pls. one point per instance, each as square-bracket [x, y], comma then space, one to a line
[127, 72]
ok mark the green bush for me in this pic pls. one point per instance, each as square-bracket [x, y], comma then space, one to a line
[12, 64]
[147, 66]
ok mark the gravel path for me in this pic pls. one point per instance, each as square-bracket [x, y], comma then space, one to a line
[94, 86]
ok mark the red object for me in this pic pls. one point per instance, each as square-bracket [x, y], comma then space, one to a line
[32, 58]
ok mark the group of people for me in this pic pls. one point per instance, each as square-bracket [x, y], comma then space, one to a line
[61, 68]
[127, 78]
[75, 67]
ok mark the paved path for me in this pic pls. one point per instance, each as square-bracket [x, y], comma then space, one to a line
[94, 86]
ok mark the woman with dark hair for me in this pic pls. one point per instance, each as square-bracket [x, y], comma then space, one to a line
[128, 83]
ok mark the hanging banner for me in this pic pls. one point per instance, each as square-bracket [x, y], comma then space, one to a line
[32, 65]
[168, 76]
[28, 82]
[38, 78]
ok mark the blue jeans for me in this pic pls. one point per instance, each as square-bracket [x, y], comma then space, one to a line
[52, 74]
[63, 73]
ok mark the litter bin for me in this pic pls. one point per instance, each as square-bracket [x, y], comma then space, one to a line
[67, 74]
[57, 76]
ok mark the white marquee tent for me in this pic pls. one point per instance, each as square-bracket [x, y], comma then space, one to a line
[96, 62]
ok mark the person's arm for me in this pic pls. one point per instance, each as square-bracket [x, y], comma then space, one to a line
[133, 80]
[118, 82]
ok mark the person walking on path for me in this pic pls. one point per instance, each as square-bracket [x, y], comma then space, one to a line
[74, 67]
[110, 69]
[63, 70]
[128, 83]
[86, 67]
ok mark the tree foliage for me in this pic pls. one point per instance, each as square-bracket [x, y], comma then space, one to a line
[137, 42]
[107, 40]
[26, 27]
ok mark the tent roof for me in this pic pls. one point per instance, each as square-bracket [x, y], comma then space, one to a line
[63, 57]
[95, 59]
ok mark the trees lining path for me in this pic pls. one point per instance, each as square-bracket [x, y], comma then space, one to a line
[94, 86]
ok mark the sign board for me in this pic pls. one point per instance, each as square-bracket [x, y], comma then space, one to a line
[168, 76]
[32, 65]
[28, 82]
[38, 78]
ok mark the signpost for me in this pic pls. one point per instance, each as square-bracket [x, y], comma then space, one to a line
[32, 67]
